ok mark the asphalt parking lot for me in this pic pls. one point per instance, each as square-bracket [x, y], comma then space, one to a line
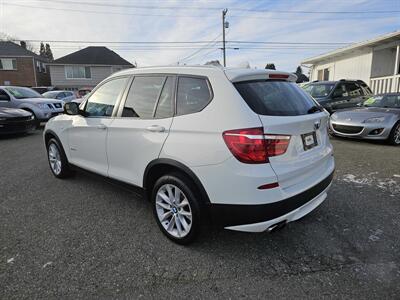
[85, 238]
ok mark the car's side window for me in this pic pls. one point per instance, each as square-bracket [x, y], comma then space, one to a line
[340, 91]
[392, 101]
[142, 97]
[60, 96]
[193, 95]
[101, 103]
[4, 96]
[165, 105]
[353, 89]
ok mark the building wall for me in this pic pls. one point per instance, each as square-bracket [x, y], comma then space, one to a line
[98, 73]
[356, 65]
[23, 76]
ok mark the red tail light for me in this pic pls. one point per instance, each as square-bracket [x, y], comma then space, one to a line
[278, 76]
[252, 146]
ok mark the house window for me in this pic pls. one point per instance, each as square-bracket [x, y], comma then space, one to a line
[8, 64]
[77, 72]
[323, 74]
[38, 66]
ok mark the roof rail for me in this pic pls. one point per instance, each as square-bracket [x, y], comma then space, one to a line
[315, 81]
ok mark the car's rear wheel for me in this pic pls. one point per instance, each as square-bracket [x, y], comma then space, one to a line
[57, 159]
[394, 137]
[176, 208]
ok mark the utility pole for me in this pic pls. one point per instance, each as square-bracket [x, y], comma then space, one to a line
[224, 25]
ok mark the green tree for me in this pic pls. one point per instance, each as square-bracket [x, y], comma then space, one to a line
[299, 71]
[48, 53]
[42, 51]
[300, 76]
[270, 66]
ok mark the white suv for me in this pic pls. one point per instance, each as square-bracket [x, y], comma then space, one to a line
[248, 148]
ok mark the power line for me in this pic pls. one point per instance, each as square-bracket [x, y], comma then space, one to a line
[177, 15]
[183, 7]
[105, 12]
[207, 54]
[180, 42]
[112, 42]
[291, 43]
[201, 49]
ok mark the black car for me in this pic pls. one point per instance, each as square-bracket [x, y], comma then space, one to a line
[334, 95]
[15, 121]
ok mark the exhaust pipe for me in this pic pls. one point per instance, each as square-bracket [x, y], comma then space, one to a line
[277, 226]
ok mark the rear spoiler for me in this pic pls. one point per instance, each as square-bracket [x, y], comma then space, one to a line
[260, 75]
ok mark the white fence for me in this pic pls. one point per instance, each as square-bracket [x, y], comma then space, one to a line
[387, 84]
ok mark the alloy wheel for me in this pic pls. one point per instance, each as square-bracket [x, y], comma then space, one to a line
[397, 135]
[173, 210]
[55, 159]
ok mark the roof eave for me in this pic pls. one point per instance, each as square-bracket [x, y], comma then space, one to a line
[352, 47]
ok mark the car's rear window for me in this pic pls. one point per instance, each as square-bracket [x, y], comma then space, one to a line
[319, 90]
[275, 98]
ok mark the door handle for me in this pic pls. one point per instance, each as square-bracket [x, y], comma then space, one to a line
[156, 128]
[101, 126]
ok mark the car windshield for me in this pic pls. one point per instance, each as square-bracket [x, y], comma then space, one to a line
[22, 93]
[51, 95]
[387, 101]
[319, 90]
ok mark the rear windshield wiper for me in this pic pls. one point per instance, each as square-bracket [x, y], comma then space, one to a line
[314, 109]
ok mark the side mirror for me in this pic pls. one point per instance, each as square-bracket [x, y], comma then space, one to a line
[71, 108]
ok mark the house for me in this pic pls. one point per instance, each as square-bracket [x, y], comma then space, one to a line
[19, 66]
[86, 67]
[375, 61]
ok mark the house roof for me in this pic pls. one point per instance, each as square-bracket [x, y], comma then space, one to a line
[8, 48]
[93, 55]
[386, 38]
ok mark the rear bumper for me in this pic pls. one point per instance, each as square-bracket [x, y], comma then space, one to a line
[257, 218]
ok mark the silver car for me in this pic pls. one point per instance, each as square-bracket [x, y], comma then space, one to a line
[25, 98]
[378, 118]
[66, 96]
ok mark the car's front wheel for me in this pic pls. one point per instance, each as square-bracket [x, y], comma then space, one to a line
[176, 208]
[57, 159]
[394, 137]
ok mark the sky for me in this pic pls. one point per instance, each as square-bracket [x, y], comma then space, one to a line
[117, 23]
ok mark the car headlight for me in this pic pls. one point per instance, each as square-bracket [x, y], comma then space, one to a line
[374, 120]
[41, 105]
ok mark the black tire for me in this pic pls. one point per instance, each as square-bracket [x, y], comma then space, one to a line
[193, 197]
[65, 168]
[392, 136]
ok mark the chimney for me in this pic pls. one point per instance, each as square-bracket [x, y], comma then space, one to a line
[23, 44]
